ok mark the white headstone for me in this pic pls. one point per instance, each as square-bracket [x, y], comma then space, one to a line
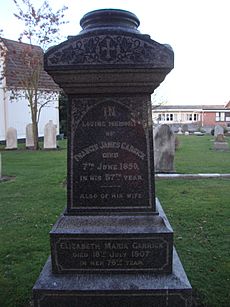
[218, 130]
[29, 136]
[164, 149]
[220, 142]
[50, 135]
[179, 131]
[11, 138]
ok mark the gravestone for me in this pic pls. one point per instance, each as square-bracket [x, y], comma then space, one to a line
[220, 138]
[220, 142]
[11, 139]
[113, 245]
[185, 128]
[218, 130]
[50, 132]
[164, 149]
[179, 131]
[29, 136]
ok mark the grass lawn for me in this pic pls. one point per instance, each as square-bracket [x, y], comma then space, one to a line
[198, 210]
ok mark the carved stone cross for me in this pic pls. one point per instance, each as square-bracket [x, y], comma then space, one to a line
[108, 48]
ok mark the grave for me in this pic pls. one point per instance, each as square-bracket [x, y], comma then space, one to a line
[50, 139]
[164, 149]
[220, 143]
[11, 139]
[185, 128]
[113, 244]
[29, 136]
[218, 130]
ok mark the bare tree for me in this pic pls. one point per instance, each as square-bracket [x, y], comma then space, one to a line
[41, 29]
[157, 99]
[41, 26]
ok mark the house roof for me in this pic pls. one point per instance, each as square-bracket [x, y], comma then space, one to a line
[177, 107]
[213, 107]
[20, 61]
[190, 107]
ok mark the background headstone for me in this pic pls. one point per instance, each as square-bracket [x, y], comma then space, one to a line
[11, 138]
[29, 136]
[177, 143]
[220, 138]
[185, 128]
[179, 131]
[220, 141]
[218, 130]
[50, 132]
[164, 149]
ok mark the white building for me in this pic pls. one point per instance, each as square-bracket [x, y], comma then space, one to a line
[16, 112]
[199, 116]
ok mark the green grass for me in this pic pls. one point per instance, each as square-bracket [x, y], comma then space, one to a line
[196, 155]
[198, 211]
[29, 205]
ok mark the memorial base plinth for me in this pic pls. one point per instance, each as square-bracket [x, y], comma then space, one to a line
[114, 290]
[221, 146]
[113, 261]
[112, 244]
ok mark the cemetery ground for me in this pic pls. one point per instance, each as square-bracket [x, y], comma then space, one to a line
[198, 211]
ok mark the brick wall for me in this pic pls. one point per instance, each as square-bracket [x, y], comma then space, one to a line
[209, 119]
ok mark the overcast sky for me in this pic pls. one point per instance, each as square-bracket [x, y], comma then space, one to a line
[197, 30]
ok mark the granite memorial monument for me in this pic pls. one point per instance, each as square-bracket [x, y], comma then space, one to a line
[113, 245]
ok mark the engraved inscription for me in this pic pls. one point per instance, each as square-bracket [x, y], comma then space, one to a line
[112, 254]
[108, 145]
[110, 157]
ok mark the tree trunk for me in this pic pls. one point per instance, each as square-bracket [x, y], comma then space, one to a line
[35, 132]
[32, 96]
[33, 108]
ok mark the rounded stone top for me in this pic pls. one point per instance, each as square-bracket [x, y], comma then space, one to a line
[109, 19]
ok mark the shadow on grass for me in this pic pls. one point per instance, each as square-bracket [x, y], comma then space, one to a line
[7, 178]
[198, 299]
